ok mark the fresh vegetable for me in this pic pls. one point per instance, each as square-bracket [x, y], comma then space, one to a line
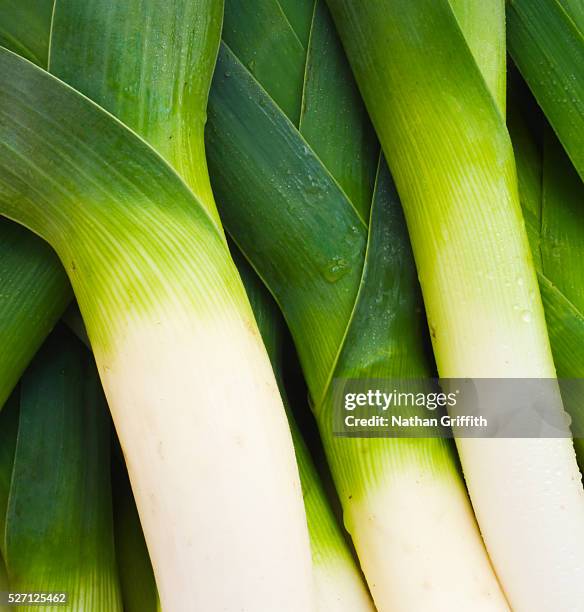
[161, 298]
[105, 196]
[551, 195]
[450, 154]
[58, 530]
[35, 291]
[546, 41]
[308, 200]
[338, 582]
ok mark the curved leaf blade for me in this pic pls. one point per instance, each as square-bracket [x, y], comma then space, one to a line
[290, 197]
[333, 119]
[546, 41]
[35, 286]
[33, 294]
[278, 63]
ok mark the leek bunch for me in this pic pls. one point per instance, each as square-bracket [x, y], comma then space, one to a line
[350, 294]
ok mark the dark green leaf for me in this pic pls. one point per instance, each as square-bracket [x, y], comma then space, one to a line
[59, 527]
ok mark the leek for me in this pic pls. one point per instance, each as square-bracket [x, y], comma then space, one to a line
[35, 291]
[25, 28]
[338, 582]
[551, 194]
[304, 194]
[160, 297]
[546, 41]
[451, 157]
[161, 92]
[58, 530]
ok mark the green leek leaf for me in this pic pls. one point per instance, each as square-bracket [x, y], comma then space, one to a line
[34, 292]
[551, 194]
[149, 64]
[546, 41]
[35, 289]
[59, 525]
[25, 28]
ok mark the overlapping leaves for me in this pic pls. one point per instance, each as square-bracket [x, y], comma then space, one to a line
[303, 191]
[546, 41]
[551, 196]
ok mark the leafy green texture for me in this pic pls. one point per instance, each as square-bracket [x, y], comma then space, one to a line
[136, 213]
[483, 24]
[59, 528]
[35, 289]
[277, 194]
[287, 178]
[305, 195]
[150, 64]
[551, 195]
[546, 41]
[25, 28]
[330, 269]
[34, 292]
